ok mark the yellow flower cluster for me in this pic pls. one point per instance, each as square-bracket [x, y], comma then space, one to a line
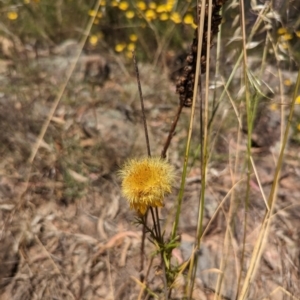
[129, 47]
[141, 9]
[285, 35]
[95, 38]
[153, 10]
[145, 182]
[162, 12]
[97, 15]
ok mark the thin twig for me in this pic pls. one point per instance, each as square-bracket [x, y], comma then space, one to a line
[142, 250]
[172, 131]
[158, 225]
[142, 104]
[154, 221]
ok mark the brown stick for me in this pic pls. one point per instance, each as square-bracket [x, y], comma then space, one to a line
[171, 132]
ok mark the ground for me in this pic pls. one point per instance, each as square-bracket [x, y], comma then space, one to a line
[66, 230]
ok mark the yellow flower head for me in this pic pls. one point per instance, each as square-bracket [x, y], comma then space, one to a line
[123, 5]
[141, 5]
[175, 17]
[133, 37]
[287, 82]
[93, 40]
[150, 15]
[188, 19]
[164, 17]
[152, 5]
[129, 14]
[169, 6]
[274, 106]
[120, 47]
[287, 36]
[282, 30]
[12, 15]
[92, 13]
[161, 8]
[131, 47]
[145, 182]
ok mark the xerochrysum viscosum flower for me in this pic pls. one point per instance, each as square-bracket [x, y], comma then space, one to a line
[145, 182]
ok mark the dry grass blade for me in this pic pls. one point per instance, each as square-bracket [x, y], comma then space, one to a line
[284, 291]
[144, 287]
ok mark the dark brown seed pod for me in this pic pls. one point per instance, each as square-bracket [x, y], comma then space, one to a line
[181, 89]
[189, 59]
[185, 83]
[188, 68]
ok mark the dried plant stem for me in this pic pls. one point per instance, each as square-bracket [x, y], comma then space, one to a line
[172, 131]
[193, 264]
[142, 104]
[142, 250]
[205, 135]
